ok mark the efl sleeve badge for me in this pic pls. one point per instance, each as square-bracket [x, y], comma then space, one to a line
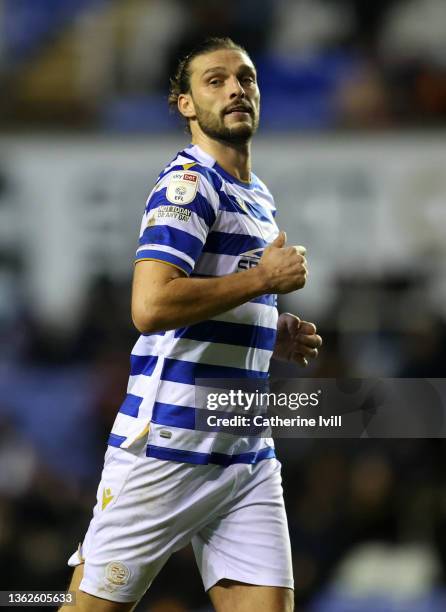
[182, 187]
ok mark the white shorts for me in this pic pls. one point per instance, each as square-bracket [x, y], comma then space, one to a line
[147, 509]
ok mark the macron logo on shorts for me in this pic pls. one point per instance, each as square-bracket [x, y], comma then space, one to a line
[106, 497]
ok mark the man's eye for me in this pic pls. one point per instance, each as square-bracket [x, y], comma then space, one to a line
[249, 80]
[215, 81]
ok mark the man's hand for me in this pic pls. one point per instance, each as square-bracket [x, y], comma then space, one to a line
[284, 268]
[296, 340]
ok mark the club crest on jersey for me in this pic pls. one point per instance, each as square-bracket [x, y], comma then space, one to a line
[249, 259]
[182, 187]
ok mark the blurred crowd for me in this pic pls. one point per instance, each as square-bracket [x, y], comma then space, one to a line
[323, 64]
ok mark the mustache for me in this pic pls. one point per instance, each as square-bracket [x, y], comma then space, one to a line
[242, 106]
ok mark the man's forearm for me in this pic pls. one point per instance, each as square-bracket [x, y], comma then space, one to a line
[184, 301]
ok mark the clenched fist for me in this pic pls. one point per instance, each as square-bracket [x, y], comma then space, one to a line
[284, 267]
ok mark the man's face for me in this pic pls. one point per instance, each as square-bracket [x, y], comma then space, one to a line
[225, 95]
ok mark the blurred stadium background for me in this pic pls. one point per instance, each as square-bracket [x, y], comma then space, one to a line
[352, 144]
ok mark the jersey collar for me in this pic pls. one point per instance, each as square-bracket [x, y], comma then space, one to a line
[207, 160]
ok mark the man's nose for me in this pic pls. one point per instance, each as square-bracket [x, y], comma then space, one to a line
[235, 88]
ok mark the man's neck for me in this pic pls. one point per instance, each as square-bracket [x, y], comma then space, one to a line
[235, 159]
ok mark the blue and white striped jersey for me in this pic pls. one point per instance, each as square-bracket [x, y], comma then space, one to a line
[207, 223]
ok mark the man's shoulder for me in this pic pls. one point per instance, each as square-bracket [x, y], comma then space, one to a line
[188, 167]
[185, 180]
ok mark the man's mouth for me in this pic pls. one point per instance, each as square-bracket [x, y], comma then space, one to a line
[239, 109]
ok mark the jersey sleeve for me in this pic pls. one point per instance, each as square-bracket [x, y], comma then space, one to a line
[178, 216]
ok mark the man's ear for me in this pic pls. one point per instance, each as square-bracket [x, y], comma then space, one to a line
[186, 106]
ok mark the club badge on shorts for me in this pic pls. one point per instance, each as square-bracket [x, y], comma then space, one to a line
[117, 573]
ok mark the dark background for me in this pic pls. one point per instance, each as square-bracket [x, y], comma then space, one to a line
[353, 118]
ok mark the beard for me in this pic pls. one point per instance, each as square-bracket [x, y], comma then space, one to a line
[213, 126]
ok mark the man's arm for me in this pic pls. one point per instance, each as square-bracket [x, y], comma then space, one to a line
[164, 298]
